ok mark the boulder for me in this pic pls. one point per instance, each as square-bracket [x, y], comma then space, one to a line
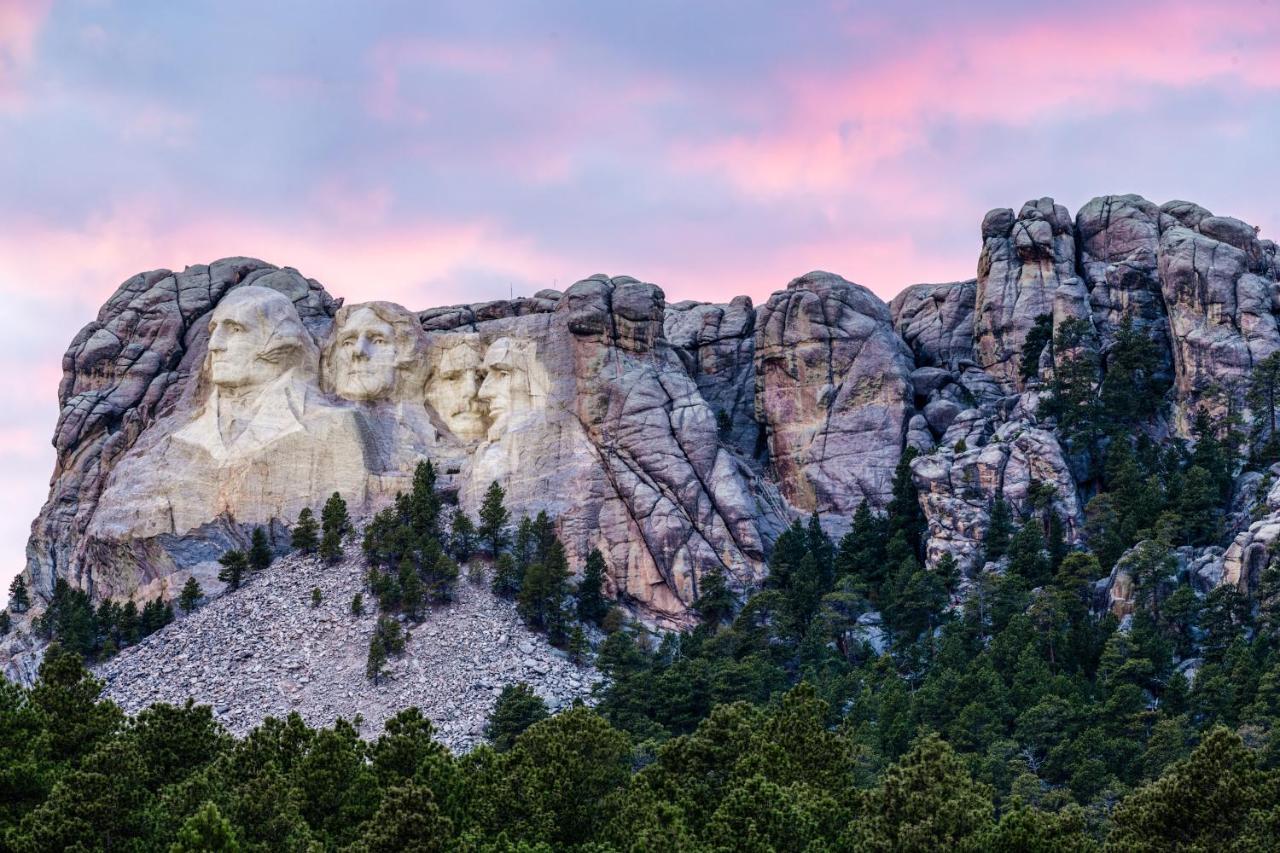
[936, 321]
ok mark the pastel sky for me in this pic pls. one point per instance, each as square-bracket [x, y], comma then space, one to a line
[444, 152]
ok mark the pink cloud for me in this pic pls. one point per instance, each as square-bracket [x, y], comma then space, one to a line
[20, 23]
[418, 263]
[839, 128]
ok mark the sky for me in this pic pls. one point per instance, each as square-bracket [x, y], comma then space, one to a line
[460, 151]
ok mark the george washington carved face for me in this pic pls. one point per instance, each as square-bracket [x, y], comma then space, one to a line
[255, 336]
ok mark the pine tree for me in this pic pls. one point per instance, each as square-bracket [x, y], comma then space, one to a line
[357, 604]
[424, 501]
[334, 517]
[408, 819]
[6, 622]
[305, 532]
[715, 601]
[234, 565]
[525, 548]
[376, 663]
[904, 514]
[506, 577]
[206, 831]
[462, 535]
[544, 587]
[861, 553]
[260, 555]
[1027, 556]
[411, 589]
[999, 529]
[517, 708]
[590, 593]
[19, 598]
[331, 546]
[577, 646]
[1039, 337]
[1263, 398]
[316, 596]
[189, 598]
[494, 519]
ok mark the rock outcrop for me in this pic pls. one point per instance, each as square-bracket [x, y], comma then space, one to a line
[1024, 260]
[673, 438]
[833, 391]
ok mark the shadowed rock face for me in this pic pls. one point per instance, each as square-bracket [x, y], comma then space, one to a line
[833, 393]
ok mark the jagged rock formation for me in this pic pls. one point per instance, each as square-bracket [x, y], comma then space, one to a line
[674, 438]
[1024, 260]
[833, 391]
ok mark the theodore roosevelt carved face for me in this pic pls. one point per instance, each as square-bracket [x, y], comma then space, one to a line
[255, 336]
[454, 386]
[375, 352]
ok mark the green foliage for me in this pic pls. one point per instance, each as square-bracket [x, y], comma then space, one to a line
[388, 639]
[260, 555]
[235, 564]
[999, 530]
[316, 596]
[71, 621]
[206, 830]
[1214, 800]
[190, 596]
[591, 603]
[1039, 337]
[305, 537]
[335, 523]
[715, 602]
[494, 518]
[1263, 397]
[507, 576]
[517, 708]
[19, 597]
[357, 604]
[462, 536]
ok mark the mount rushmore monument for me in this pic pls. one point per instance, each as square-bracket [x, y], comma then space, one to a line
[673, 437]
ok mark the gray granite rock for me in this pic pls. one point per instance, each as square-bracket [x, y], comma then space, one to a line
[833, 392]
[1024, 260]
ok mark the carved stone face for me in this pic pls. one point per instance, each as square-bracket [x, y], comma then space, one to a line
[254, 337]
[365, 360]
[507, 386]
[453, 390]
[376, 352]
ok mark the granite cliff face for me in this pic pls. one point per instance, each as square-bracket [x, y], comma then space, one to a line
[674, 438]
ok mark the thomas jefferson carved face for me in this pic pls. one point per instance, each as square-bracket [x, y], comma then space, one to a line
[375, 353]
[365, 360]
[255, 336]
[453, 390]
